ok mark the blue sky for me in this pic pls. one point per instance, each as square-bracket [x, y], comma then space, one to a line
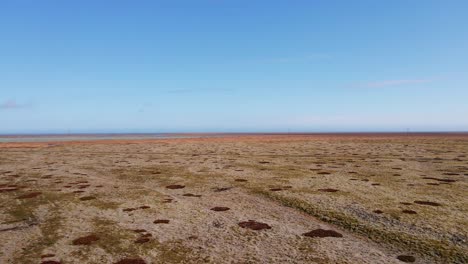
[219, 65]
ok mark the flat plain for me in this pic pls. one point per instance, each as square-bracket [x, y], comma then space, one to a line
[319, 198]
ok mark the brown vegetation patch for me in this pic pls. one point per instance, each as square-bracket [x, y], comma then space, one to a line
[48, 255]
[406, 258]
[51, 262]
[409, 212]
[175, 186]
[240, 180]
[328, 190]
[378, 211]
[222, 189]
[276, 189]
[86, 240]
[322, 233]
[142, 240]
[450, 174]
[254, 225]
[219, 209]
[29, 195]
[427, 203]
[161, 221]
[131, 261]
[8, 189]
[191, 195]
[87, 198]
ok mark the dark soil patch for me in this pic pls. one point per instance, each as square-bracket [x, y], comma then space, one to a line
[139, 230]
[405, 203]
[254, 225]
[406, 258]
[29, 195]
[219, 209]
[328, 190]
[409, 212]
[427, 203]
[191, 195]
[323, 173]
[87, 198]
[161, 221]
[86, 240]
[322, 233]
[175, 186]
[144, 207]
[129, 209]
[131, 261]
[48, 255]
[378, 211]
[240, 180]
[51, 262]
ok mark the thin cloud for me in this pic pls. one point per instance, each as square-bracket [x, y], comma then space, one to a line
[388, 83]
[11, 104]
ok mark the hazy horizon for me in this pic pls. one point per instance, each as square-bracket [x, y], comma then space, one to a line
[233, 66]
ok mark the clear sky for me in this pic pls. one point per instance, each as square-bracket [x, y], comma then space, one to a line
[240, 65]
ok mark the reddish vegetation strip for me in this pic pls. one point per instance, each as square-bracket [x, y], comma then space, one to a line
[254, 225]
[406, 258]
[86, 240]
[175, 186]
[131, 261]
[29, 195]
[219, 209]
[322, 233]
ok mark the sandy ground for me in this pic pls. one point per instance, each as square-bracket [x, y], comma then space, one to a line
[384, 198]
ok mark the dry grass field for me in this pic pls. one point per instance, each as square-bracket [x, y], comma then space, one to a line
[383, 198]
